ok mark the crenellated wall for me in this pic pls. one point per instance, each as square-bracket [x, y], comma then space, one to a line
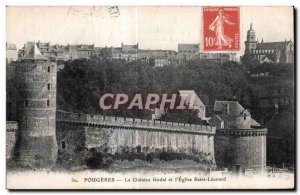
[116, 133]
[119, 122]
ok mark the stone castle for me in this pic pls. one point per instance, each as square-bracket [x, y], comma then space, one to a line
[37, 131]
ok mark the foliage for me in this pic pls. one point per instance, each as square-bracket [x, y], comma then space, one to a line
[277, 70]
[82, 82]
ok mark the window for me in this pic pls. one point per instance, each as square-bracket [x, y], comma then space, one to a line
[26, 103]
[48, 102]
[63, 145]
[48, 68]
[48, 86]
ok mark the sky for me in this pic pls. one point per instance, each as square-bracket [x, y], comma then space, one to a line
[151, 27]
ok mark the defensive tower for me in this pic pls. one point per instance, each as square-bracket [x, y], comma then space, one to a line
[36, 104]
[240, 140]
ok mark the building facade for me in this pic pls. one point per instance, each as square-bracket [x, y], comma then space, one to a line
[218, 58]
[188, 49]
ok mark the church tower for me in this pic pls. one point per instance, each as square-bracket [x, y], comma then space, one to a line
[251, 42]
[36, 104]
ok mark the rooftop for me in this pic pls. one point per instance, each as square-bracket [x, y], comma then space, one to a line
[272, 45]
[188, 94]
[188, 47]
[234, 107]
[34, 54]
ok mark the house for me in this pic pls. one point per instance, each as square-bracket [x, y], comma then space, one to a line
[188, 49]
[218, 58]
[129, 52]
[11, 52]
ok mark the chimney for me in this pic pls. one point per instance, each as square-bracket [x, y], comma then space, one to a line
[262, 40]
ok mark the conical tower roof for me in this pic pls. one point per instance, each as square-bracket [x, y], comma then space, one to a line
[251, 28]
[34, 54]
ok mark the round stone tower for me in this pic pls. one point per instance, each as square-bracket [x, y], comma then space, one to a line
[240, 140]
[36, 104]
[247, 147]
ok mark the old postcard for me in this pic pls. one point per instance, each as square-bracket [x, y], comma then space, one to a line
[150, 97]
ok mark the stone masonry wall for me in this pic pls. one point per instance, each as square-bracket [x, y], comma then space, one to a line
[36, 103]
[250, 151]
[71, 135]
[118, 138]
[244, 147]
[116, 133]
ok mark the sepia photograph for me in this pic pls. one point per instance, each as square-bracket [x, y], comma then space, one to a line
[150, 97]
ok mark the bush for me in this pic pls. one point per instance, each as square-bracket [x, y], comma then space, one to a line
[95, 161]
[107, 161]
[149, 158]
[131, 157]
[138, 149]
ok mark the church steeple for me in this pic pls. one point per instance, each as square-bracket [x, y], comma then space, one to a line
[250, 43]
[251, 37]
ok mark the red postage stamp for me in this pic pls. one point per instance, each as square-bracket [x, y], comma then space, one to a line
[221, 28]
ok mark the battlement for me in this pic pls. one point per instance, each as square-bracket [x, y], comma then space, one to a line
[12, 126]
[133, 123]
[243, 132]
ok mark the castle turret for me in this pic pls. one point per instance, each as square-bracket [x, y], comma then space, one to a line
[240, 140]
[251, 42]
[36, 104]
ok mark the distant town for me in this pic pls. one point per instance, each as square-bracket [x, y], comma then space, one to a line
[264, 52]
[157, 58]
